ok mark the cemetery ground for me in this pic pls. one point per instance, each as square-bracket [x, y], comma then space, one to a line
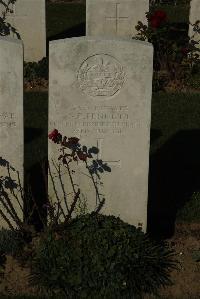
[175, 147]
[174, 168]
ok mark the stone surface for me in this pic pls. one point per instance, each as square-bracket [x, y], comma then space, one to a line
[115, 18]
[100, 91]
[194, 16]
[29, 20]
[11, 113]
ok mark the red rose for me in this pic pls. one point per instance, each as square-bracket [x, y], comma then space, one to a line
[160, 14]
[55, 136]
[157, 18]
[72, 141]
[184, 51]
[82, 156]
[155, 23]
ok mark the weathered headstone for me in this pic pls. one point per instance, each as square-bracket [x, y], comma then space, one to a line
[11, 116]
[29, 20]
[115, 18]
[194, 16]
[100, 91]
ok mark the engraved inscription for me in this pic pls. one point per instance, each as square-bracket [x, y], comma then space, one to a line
[7, 120]
[99, 120]
[101, 75]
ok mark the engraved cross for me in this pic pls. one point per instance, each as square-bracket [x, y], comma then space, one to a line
[99, 155]
[117, 17]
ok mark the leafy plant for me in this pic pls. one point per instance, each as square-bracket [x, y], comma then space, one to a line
[191, 210]
[196, 255]
[2, 264]
[11, 189]
[71, 151]
[36, 70]
[174, 58]
[11, 242]
[100, 256]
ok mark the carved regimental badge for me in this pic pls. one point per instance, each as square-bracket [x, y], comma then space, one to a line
[101, 75]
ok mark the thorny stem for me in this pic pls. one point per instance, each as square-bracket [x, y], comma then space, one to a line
[54, 187]
[100, 206]
[20, 186]
[70, 176]
[59, 204]
[94, 183]
[35, 205]
[51, 212]
[6, 7]
[45, 181]
[11, 190]
[10, 211]
[63, 189]
[72, 206]
[6, 219]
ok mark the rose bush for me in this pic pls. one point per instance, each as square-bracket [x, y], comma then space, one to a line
[71, 150]
[174, 58]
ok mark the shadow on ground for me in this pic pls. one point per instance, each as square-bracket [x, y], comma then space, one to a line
[174, 174]
[35, 153]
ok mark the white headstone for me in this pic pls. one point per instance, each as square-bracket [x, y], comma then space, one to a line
[29, 20]
[11, 115]
[100, 91]
[115, 18]
[194, 16]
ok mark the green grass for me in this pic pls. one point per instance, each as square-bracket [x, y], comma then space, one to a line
[28, 297]
[57, 297]
[20, 297]
[175, 151]
[170, 297]
[191, 210]
[172, 113]
[62, 17]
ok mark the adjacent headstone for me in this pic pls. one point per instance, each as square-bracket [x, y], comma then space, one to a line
[11, 118]
[109, 18]
[100, 91]
[29, 20]
[194, 16]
